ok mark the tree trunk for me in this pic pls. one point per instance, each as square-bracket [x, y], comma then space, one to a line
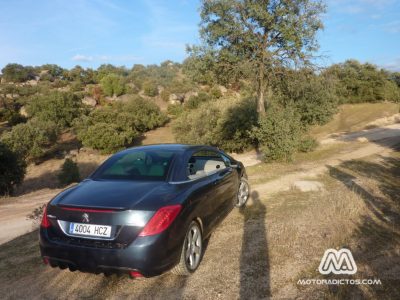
[260, 102]
[261, 92]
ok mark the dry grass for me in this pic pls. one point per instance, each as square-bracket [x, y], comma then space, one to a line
[158, 136]
[264, 172]
[353, 117]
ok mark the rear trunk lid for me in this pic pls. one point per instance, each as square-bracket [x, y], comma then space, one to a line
[119, 208]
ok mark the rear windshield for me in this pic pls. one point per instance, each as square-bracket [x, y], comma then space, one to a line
[136, 165]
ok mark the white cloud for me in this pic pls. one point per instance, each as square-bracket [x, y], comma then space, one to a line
[119, 58]
[359, 6]
[82, 58]
[392, 27]
[393, 65]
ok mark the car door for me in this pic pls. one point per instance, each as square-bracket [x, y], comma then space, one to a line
[223, 179]
[226, 182]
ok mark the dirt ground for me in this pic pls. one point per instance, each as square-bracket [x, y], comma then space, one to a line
[262, 250]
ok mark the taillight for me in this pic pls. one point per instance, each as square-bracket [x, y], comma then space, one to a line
[45, 220]
[161, 220]
[135, 274]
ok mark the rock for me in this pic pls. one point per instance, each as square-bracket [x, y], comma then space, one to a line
[123, 98]
[31, 82]
[23, 112]
[111, 99]
[190, 94]
[362, 140]
[89, 101]
[173, 98]
[11, 96]
[223, 89]
[308, 186]
[43, 72]
[160, 89]
[74, 152]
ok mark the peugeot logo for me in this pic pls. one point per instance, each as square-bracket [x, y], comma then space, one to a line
[85, 218]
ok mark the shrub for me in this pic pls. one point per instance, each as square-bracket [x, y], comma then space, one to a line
[113, 85]
[215, 92]
[165, 95]
[12, 117]
[199, 126]
[313, 96]
[180, 86]
[58, 107]
[145, 114]
[307, 144]
[358, 82]
[236, 124]
[31, 140]
[107, 138]
[150, 88]
[12, 169]
[175, 110]
[114, 127]
[76, 86]
[195, 101]
[69, 172]
[279, 133]
[225, 124]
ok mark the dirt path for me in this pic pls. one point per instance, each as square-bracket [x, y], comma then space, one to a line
[13, 213]
[377, 141]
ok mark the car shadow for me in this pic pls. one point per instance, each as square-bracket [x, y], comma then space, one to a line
[254, 260]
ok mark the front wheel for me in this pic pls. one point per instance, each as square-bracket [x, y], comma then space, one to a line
[243, 193]
[192, 251]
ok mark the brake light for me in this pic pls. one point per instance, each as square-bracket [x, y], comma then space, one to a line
[45, 220]
[135, 274]
[161, 220]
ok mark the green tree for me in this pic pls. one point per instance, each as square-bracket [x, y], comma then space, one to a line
[263, 34]
[113, 85]
[31, 140]
[18, 73]
[12, 169]
[59, 107]
[358, 82]
[313, 96]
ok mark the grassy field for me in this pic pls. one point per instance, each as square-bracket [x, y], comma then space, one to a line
[353, 117]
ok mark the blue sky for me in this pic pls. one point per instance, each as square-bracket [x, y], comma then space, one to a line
[93, 32]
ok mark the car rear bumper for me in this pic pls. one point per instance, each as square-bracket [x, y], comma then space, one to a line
[146, 255]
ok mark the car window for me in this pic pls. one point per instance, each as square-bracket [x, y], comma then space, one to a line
[204, 163]
[136, 165]
[227, 161]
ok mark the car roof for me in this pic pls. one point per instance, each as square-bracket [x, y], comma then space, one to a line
[170, 147]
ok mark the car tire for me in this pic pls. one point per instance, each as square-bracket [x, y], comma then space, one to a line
[243, 193]
[192, 251]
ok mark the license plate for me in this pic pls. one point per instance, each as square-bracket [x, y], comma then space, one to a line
[90, 230]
